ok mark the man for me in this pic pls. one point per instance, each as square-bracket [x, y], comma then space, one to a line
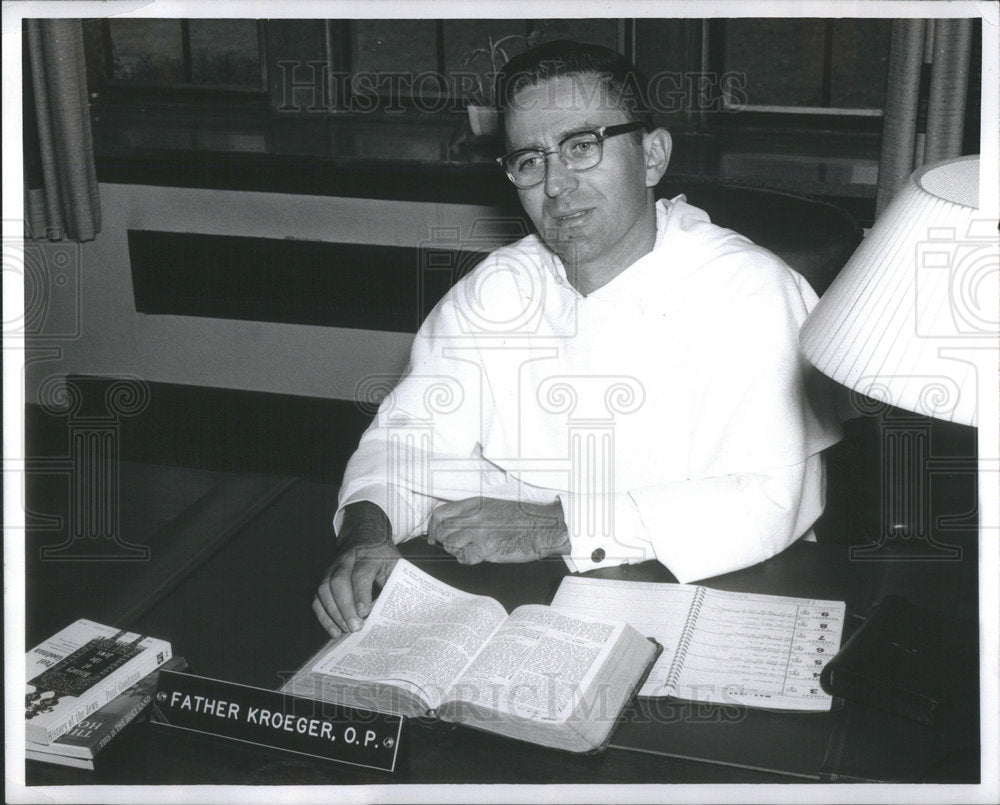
[623, 385]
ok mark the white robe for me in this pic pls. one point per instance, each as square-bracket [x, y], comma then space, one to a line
[670, 411]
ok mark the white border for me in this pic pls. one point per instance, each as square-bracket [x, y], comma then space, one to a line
[989, 431]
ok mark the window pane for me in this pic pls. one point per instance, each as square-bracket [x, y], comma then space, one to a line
[782, 60]
[860, 63]
[593, 31]
[467, 53]
[394, 46]
[225, 52]
[406, 47]
[146, 50]
[466, 45]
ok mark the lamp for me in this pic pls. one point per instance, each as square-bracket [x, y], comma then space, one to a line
[916, 307]
[911, 322]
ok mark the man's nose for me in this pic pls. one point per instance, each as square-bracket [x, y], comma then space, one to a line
[558, 177]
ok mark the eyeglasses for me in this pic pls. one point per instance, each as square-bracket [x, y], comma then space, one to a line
[579, 151]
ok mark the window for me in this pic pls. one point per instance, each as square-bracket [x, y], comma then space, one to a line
[317, 66]
[168, 53]
[805, 66]
[704, 74]
[790, 104]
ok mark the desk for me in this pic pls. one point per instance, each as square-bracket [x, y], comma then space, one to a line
[245, 616]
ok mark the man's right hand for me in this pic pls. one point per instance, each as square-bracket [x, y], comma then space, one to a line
[365, 556]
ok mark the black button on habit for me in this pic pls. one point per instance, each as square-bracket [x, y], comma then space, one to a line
[597, 555]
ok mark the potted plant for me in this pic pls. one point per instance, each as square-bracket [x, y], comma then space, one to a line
[484, 117]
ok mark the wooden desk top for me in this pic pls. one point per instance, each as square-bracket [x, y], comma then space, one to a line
[245, 616]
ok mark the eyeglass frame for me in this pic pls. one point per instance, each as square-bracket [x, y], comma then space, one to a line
[603, 133]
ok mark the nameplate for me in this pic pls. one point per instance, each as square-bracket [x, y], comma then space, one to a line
[276, 720]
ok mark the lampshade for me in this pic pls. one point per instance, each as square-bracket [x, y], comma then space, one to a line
[916, 306]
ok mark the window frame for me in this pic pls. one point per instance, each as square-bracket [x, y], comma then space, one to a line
[846, 121]
[178, 88]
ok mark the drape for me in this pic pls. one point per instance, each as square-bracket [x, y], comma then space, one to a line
[925, 98]
[61, 192]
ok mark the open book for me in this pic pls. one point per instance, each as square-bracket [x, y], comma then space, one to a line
[721, 647]
[428, 649]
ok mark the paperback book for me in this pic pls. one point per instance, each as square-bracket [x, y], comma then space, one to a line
[79, 670]
[80, 745]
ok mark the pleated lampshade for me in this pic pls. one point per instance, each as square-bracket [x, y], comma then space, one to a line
[918, 301]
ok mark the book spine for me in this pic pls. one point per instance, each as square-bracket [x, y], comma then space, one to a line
[680, 654]
[122, 722]
[108, 689]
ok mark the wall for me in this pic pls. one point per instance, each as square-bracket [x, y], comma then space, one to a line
[110, 338]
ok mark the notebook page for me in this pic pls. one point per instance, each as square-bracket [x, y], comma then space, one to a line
[654, 610]
[761, 650]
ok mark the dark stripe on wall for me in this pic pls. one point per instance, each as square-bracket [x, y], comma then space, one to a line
[227, 430]
[388, 288]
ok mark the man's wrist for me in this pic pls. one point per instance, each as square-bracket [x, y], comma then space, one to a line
[364, 523]
[554, 534]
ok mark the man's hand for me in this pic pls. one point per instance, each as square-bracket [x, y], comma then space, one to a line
[366, 556]
[489, 530]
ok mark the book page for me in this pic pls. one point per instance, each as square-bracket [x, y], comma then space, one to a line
[419, 635]
[763, 651]
[744, 648]
[538, 664]
[654, 610]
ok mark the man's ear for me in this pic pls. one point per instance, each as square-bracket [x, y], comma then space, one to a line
[656, 146]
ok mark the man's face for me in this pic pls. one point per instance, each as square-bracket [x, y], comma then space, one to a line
[593, 217]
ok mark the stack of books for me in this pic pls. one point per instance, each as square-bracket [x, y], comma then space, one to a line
[85, 684]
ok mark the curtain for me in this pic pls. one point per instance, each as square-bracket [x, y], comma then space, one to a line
[925, 98]
[61, 193]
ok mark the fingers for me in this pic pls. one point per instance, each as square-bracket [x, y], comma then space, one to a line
[467, 546]
[384, 571]
[334, 604]
[469, 555]
[324, 619]
[449, 517]
[344, 597]
[326, 609]
[362, 578]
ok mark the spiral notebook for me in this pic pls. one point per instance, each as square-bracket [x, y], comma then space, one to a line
[728, 648]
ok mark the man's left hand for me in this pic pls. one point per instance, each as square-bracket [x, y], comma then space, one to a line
[478, 530]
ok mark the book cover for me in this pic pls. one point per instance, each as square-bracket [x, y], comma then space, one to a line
[80, 669]
[94, 732]
[905, 659]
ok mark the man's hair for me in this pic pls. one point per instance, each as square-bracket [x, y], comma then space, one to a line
[624, 85]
